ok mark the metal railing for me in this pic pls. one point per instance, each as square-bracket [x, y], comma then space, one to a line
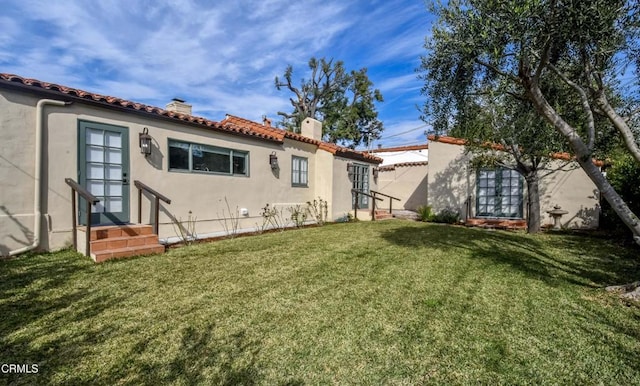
[391, 198]
[157, 197]
[77, 190]
[373, 206]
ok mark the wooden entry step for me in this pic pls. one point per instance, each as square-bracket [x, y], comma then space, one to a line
[118, 241]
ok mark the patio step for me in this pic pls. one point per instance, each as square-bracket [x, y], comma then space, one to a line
[382, 215]
[118, 241]
[494, 223]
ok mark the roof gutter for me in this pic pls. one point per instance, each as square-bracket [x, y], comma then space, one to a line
[37, 190]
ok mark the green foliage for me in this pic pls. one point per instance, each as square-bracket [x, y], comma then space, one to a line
[624, 175]
[536, 77]
[447, 216]
[425, 213]
[343, 100]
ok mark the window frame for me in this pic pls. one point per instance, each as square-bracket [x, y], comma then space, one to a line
[498, 196]
[231, 153]
[299, 172]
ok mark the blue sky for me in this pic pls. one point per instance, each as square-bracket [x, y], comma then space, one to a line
[222, 57]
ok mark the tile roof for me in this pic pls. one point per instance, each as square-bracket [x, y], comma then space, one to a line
[233, 121]
[496, 146]
[231, 124]
[400, 148]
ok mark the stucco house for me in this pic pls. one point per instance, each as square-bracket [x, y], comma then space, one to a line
[499, 196]
[128, 155]
[147, 165]
[439, 174]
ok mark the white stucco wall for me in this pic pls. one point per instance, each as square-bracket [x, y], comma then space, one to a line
[408, 183]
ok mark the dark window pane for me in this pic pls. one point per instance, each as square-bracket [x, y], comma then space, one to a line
[178, 156]
[212, 162]
[240, 164]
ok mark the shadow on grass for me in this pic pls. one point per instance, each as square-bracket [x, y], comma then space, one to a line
[552, 258]
[51, 314]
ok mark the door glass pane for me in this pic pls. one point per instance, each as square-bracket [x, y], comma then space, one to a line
[114, 188]
[95, 154]
[114, 204]
[95, 171]
[95, 187]
[114, 156]
[114, 172]
[95, 137]
[113, 140]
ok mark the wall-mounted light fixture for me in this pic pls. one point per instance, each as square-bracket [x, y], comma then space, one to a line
[144, 140]
[350, 169]
[273, 161]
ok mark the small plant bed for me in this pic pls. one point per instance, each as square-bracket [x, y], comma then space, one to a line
[391, 302]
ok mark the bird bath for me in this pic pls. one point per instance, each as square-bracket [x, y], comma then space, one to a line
[557, 213]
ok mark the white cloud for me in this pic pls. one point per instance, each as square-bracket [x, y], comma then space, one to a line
[220, 56]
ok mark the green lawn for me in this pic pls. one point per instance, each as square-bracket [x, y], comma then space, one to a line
[393, 302]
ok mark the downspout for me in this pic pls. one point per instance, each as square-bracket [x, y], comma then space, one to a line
[37, 198]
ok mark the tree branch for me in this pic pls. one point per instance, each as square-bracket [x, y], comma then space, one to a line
[586, 107]
[620, 124]
[497, 70]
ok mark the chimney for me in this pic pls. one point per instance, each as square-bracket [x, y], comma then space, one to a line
[266, 121]
[179, 106]
[311, 128]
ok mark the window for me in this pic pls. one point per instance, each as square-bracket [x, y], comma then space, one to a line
[499, 193]
[299, 171]
[361, 183]
[193, 157]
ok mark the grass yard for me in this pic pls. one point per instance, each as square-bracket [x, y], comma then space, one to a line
[393, 302]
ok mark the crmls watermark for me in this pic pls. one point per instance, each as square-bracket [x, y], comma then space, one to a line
[13, 368]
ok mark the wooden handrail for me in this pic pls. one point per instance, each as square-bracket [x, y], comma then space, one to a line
[157, 197]
[141, 185]
[373, 206]
[391, 198]
[77, 190]
[386, 195]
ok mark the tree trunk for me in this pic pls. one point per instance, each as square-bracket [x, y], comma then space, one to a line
[533, 197]
[584, 159]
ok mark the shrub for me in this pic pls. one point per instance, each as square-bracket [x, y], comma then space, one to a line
[425, 213]
[447, 216]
